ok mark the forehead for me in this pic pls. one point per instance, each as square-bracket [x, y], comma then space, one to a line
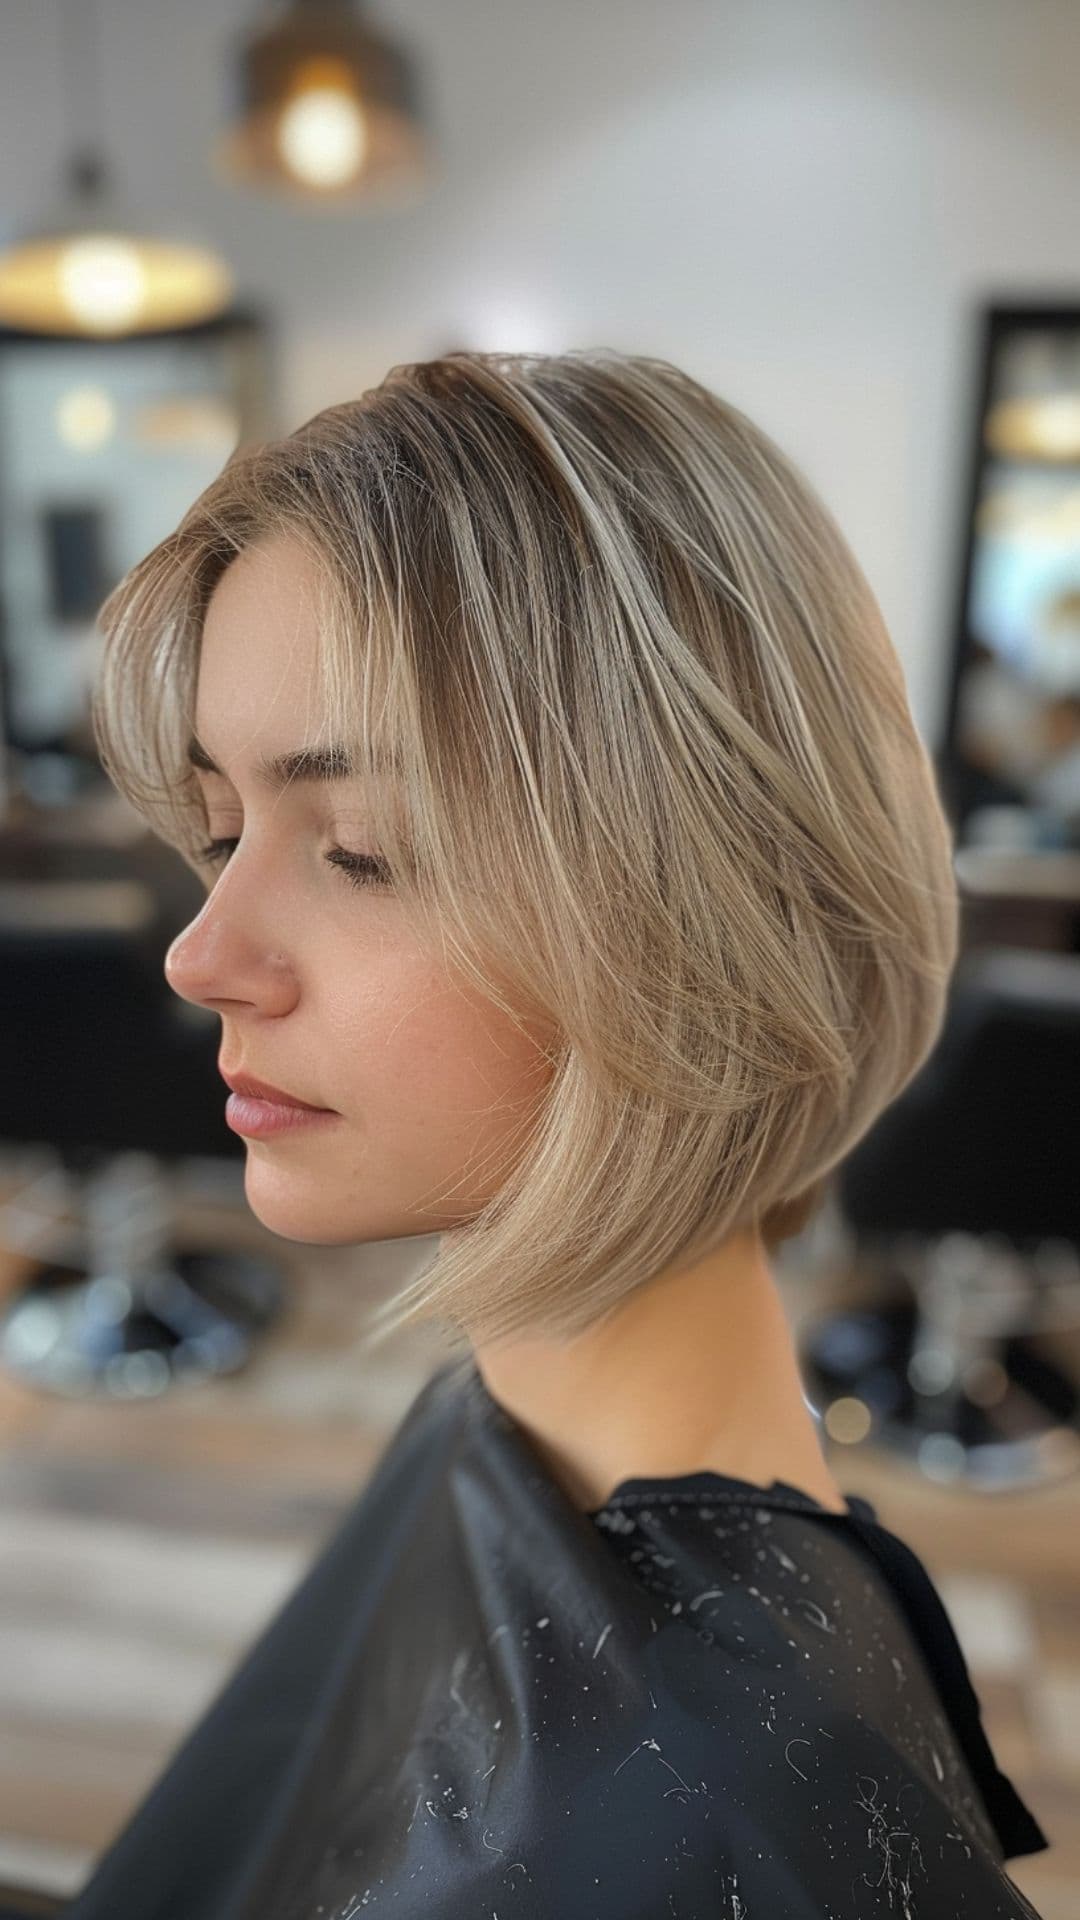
[259, 663]
[259, 688]
[265, 610]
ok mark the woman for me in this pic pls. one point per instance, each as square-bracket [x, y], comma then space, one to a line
[571, 851]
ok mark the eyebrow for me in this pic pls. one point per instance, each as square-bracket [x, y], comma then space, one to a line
[274, 771]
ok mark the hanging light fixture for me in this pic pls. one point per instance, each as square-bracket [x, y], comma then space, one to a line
[328, 110]
[87, 269]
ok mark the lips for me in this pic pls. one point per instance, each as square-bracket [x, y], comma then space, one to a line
[263, 1090]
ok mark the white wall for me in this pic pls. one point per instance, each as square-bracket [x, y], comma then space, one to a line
[801, 201]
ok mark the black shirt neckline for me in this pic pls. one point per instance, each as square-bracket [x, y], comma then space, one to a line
[704, 1484]
[697, 1486]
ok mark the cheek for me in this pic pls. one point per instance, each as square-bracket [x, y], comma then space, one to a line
[434, 1061]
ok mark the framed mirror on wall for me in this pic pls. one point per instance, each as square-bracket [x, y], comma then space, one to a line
[104, 444]
[1011, 749]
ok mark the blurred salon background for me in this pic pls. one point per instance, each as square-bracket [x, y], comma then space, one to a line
[857, 220]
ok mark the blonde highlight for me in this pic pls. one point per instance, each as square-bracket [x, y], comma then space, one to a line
[661, 784]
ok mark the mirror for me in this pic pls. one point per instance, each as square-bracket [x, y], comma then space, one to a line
[1012, 748]
[104, 444]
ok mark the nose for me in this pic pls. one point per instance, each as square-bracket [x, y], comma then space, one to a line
[177, 967]
[193, 963]
[221, 958]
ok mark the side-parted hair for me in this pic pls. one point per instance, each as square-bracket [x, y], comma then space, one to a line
[655, 775]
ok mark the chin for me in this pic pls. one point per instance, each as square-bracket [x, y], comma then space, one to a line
[313, 1219]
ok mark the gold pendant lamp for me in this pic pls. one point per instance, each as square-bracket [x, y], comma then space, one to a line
[327, 110]
[88, 269]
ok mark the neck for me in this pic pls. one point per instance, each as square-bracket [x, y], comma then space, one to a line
[694, 1370]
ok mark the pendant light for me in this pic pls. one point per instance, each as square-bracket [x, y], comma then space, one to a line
[327, 110]
[87, 269]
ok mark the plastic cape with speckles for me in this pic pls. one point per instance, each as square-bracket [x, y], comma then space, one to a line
[707, 1700]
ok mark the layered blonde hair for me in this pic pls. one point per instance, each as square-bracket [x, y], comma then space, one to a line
[660, 779]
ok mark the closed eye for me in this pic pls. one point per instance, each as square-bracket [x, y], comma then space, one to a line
[360, 869]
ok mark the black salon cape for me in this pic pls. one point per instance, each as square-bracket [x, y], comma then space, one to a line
[706, 1701]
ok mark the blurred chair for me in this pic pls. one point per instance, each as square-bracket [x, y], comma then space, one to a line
[114, 1079]
[25, 1903]
[963, 1204]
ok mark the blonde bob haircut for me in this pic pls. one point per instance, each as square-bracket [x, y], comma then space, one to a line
[640, 757]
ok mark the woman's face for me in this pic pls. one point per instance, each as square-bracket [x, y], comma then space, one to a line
[321, 985]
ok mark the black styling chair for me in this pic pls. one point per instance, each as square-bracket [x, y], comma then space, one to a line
[108, 1081]
[31, 1903]
[963, 1202]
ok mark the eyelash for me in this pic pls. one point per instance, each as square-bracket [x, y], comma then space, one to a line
[360, 869]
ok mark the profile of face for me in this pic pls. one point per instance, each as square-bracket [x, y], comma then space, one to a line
[322, 987]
